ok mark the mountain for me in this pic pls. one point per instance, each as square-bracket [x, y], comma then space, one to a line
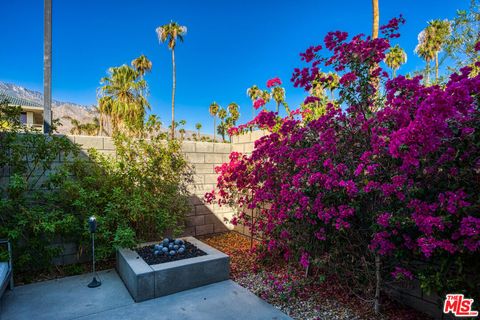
[64, 111]
[61, 110]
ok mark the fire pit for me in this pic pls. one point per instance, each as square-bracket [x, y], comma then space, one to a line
[164, 274]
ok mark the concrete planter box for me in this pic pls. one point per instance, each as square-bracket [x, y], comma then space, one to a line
[145, 281]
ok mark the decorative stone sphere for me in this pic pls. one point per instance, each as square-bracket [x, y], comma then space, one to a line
[177, 241]
[181, 250]
[172, 253]
[166, 241]
[170, 246]
[175, 247]
[165, 249]
[157, 247]
[156, 252]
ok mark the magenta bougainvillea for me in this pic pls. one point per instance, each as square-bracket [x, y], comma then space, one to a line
[396, 167]
[274, 82]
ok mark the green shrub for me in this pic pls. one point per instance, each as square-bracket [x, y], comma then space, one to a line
[140, 194]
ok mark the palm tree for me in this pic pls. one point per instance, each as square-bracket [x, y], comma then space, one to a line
[181, 123]
[142, 65]
[278, 95]
[222, 114]
[425, 49]
[222, 129]
[254, 93]
[376, 19]
[441, 30]
[169, 33]
[395, 58]
[153, 125]
[122, 98]
[198, 126]
[76, 126]
[182, 133]
[233, 108]
[213, 112]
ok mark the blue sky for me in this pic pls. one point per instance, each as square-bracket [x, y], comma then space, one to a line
[230, 45]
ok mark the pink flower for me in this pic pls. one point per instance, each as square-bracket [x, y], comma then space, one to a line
[383, 220]
[232, 131]
[348, 78]
[304, 260]
[259, 103]
[274, 82]
[310, 99]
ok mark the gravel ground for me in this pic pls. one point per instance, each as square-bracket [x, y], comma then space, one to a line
[310, 309]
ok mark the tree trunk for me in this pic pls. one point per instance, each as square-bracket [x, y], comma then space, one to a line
[378, 284]
[436, 67]
[376, 19]
[47, 67]
[394, 73]
[427, 73]
[100, 127]
[214, 128]
[173, 93]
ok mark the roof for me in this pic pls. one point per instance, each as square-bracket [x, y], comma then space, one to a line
[18, 101]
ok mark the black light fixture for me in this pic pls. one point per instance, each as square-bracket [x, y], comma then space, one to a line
[92, 225]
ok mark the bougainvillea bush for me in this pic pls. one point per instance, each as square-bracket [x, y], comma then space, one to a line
[393, 173]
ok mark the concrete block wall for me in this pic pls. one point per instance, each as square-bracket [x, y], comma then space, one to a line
[245, 143]
[204, 157]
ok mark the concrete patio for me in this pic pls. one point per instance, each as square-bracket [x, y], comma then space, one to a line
[70, 298]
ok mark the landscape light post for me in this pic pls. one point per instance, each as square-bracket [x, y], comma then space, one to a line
[92, 226]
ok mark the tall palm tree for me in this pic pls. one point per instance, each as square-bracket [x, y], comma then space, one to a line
[47, 66]
[376, 19]
[441, 30]
[214, 107]
[425, 49]
[222, 114]
[198, 126]
[234, 108]
[169, 33]
[253, 93]
[278, 95]
[394, 58]
[142, 65]
[265, 95]
[123, 99]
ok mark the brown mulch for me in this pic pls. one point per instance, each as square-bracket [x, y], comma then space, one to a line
[326, 299]
[56, 272]
[237, 247]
